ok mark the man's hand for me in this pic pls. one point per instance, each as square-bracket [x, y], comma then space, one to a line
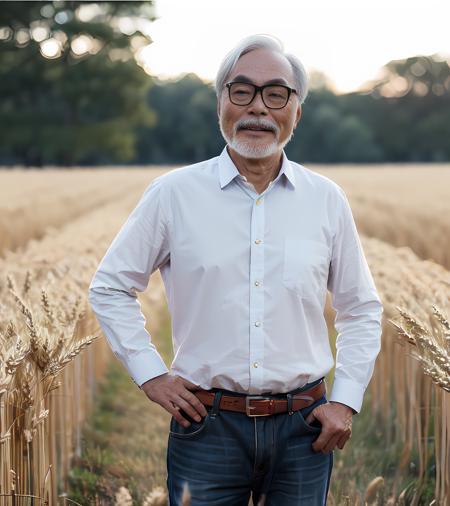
[173, 393]
[336, 420]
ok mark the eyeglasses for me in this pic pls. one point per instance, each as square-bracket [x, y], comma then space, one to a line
[274, 96]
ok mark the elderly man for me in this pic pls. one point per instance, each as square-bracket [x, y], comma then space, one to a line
[247, 244]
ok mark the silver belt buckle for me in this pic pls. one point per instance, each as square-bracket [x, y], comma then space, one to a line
[248, 407]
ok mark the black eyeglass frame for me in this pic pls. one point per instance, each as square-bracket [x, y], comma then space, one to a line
[260, 89]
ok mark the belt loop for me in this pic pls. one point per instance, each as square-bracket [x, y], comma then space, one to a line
[216, 405]
[289, 403]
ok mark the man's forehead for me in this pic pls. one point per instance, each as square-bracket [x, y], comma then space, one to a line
[247, 79]
[261, 66]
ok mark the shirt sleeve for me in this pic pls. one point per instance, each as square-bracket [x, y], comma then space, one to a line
[358, 311]
[140, 247]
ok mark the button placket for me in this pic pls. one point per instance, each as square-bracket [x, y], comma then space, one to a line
[256, 276]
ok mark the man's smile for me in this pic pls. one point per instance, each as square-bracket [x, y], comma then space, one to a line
[256, 127]
[254, 131]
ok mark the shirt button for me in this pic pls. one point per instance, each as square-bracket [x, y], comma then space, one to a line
[257, 283]
[258, 201]
[257, 324]
[255, 364]
[257, 241]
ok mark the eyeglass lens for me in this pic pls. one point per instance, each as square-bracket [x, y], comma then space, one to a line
[273, 96]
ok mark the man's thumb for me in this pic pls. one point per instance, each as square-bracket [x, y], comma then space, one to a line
[310, 418]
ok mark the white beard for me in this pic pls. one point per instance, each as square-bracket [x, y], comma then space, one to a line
[253, 150]
[250, 149]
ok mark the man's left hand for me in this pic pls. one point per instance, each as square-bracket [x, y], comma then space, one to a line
[336, 420]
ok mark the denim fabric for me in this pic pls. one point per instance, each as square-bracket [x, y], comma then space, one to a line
[228, 456]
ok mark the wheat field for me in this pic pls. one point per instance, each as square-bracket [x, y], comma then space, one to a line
[55, 225]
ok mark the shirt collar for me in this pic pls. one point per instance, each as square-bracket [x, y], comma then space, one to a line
[228, 171]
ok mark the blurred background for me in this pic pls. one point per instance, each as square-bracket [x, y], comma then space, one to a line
[87, 83]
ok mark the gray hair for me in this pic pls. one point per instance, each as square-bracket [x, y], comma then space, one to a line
[262, 41]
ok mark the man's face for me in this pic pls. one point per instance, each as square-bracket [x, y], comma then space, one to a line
[259, 66]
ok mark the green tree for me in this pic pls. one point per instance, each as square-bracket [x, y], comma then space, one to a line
[187, 125]
[414, 98]
[329, 132]
[71, 89]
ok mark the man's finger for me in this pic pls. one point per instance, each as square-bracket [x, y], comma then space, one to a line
[310, 418]
[342, 440]
[188, 408]
[321, 441]
[175, 412]
[331, 444]
[195, 402]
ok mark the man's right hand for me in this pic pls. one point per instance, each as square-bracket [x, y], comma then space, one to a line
[174, 393]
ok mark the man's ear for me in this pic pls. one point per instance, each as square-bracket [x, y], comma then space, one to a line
[298, 115]
[218, 107]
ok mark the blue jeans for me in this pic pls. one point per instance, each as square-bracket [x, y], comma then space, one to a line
[228, 455]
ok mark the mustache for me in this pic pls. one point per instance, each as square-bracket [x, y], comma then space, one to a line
[251, 123]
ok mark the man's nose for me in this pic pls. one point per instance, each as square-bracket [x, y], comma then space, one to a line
[257, 105]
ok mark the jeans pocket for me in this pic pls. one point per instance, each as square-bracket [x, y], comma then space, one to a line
[315, 426]
[178, 430]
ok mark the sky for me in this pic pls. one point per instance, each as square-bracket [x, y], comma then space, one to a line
[349, 40]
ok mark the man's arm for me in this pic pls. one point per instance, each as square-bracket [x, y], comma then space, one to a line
[358, 311]
[358, 322]
[141, 247]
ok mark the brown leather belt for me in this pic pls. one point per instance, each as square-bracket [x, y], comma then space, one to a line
[262, 405]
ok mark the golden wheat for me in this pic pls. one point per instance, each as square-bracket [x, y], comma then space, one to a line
[401, 204]
[417, 286]
[43, 328]
[33, 201]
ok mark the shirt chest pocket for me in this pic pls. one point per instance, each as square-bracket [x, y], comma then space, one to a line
[306, 266]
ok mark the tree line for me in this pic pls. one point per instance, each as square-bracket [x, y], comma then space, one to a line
[73, 93]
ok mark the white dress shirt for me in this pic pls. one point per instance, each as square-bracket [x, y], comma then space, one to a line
[246, 277]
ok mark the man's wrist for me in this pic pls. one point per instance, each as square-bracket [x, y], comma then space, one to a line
[353, 412]
[147, 382]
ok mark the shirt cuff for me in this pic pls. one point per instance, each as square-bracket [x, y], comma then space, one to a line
[144, 365]
[347, 392]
